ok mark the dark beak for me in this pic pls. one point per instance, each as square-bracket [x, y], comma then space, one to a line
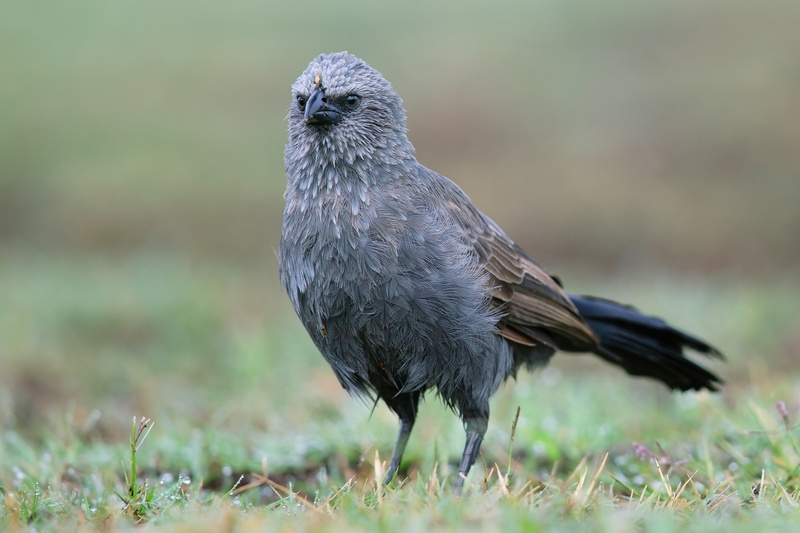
[319, 111]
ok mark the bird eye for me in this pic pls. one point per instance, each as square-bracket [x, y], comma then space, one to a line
[301, 101]
[352, 101]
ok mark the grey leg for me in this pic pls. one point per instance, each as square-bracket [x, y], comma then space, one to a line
[405, 405]
[399, 447]
[476, 429]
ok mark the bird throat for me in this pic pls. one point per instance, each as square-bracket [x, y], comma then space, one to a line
[337, 195]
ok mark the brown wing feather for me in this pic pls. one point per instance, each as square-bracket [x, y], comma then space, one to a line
[536, 308]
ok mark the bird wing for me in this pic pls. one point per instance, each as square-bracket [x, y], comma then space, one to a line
[538, 309]
[534, 308]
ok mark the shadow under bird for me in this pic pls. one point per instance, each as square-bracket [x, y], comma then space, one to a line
[405, 286]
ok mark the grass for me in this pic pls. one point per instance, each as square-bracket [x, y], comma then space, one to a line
[697, 488]
[251, 431]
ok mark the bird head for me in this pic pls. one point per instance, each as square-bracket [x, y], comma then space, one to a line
[343, 104]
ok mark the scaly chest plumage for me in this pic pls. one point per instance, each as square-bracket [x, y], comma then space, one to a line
[328, 253]
[380, 285]
[383, 281]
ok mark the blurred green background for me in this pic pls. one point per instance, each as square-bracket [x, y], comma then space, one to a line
[646, 151]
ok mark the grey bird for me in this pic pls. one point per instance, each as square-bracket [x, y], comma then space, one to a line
[405, 286]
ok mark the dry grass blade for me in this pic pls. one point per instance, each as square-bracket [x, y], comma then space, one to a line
[664, 480]
[788, 498]
[432, 485]
[263, 480]
[511, 441]
[379, 487]
[590, 490]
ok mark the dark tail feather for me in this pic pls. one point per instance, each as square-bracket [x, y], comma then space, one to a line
[645, 345]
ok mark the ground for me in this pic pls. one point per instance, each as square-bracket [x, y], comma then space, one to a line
[248, 428]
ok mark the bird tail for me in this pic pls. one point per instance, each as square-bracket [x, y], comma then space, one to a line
[645, 345]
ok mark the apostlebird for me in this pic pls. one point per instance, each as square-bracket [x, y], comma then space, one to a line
[405, 286]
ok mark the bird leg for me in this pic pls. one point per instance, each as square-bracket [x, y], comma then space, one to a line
[406, 425]
[405, 405]
[476, 429]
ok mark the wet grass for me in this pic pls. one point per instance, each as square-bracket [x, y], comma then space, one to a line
[250, 430]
